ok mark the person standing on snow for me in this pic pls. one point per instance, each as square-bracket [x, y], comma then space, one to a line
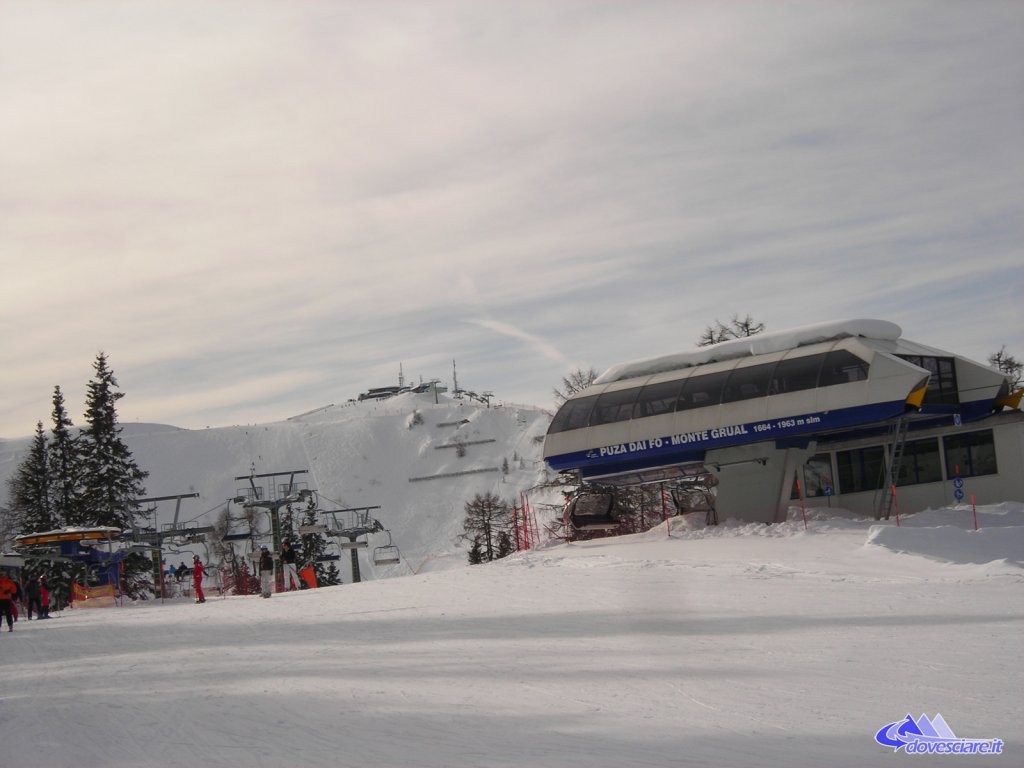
[266, 571]
[44, 598]
[288, 566]
[7, 589]
[32, 598]
[17, 598]
[197, 578]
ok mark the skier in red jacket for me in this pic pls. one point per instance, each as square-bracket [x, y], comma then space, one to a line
[197, 578]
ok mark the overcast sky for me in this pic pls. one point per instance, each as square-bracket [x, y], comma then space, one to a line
[258, 208]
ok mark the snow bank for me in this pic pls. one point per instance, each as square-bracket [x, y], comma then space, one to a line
[761, 344]
[948, 535]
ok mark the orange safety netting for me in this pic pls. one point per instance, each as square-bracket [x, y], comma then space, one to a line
[93, 597]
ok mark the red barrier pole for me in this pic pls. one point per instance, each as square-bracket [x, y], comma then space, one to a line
[800, 493]
[896, 505]
[526, 527]
[527, 538]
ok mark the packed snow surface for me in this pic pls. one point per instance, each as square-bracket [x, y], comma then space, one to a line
[740, 645]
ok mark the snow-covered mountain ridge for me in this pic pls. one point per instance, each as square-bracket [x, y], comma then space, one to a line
[419, 461]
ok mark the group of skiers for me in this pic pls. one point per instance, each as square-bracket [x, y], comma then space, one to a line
[35, 597]
[266, 570]
[288, 568]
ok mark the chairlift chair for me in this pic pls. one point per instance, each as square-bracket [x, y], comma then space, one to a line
[387, 554]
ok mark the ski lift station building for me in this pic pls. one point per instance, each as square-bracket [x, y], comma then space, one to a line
[845, 414]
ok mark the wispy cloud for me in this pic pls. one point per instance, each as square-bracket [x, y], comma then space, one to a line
[228, 198]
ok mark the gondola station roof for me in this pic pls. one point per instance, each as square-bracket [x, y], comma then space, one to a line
[669, 416]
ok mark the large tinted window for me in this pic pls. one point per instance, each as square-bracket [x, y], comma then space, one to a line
[702, 391]
[795, 374]
[860, 469]
[656, 399]
[573, 414]
[842, 367]
[614, 406]
[747, 382]
[942, 388]
[970, 453]
[920, 462]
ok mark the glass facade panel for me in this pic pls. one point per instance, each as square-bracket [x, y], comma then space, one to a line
[614, 406]
[573, 414]
[748, 382]
[942, 387]
[702, 391]
[970, 454]
[656, 399]
[920, 463]
[842, 367]
[795, 374]
[860, 469]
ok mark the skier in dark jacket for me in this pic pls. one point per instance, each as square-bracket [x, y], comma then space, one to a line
[291, 575]
[32, 596]
[266, 571]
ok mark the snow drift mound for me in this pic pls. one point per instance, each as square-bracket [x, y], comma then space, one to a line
[948, 535]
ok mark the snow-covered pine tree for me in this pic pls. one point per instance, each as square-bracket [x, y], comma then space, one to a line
[28, 490]
[112, 482]
[313, 547]
[65, 464]
[332, 576]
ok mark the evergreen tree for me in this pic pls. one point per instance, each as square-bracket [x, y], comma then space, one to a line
[476, 555]
[112, 481]
[9, 528]
[313, 547]
[486, 517]
[505, 545]
[286, 524]
[332, 576]
[65, 467]
[28, 489]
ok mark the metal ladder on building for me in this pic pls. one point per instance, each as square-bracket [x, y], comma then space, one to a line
[891, 468]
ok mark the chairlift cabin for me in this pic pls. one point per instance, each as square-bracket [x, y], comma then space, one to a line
[594, 509]
[387, 554]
